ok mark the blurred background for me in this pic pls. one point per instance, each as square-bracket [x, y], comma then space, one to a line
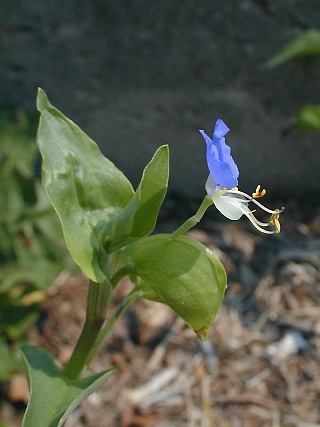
[136, 74]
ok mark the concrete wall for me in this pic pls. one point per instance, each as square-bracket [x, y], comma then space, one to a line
[137, 74]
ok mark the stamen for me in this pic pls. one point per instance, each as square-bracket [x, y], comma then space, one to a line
[275, 214]
[274, 220]
[234, 203]
[237, 193]
[258, 225]
[258, 194]
[264, 208]
[263, 224]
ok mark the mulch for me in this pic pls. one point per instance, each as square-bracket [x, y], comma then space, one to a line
[260, 365]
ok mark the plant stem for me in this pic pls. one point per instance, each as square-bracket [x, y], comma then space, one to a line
[192, 221]
[122, 307]
[122, 272]
[99, 295]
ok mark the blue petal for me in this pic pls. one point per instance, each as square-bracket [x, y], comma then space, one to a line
[223, 170]
[220, 129]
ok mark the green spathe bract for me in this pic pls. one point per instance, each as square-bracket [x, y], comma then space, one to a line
[183, 274]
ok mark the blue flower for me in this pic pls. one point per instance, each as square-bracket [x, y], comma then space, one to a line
[223, 170]
[222, 184]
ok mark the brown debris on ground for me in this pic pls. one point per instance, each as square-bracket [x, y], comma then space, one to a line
[259, 367]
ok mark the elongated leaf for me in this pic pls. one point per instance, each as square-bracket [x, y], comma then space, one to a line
[139, 216]
[53, 396]
[85, 188]
[181, 273]
[306, 43]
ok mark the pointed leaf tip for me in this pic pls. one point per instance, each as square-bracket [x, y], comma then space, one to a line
[203, 333]
[42, 100]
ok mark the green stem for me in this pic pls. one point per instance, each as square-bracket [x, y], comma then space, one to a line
[99, 295]
[122, 272]
[192, 221]
[122, 307]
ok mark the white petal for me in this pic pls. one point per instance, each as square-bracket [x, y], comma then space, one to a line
[211, 188]
[230, 207]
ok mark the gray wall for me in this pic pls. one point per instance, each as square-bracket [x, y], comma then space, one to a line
[138, 74]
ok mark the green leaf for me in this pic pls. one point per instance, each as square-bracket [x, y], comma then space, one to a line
[85, 188]
[139, 216]
[10, 360]
[306, 43]
[309, 117]
[181, 273]
[53, 396]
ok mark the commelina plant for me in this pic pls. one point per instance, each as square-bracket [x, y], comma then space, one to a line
[107, 227]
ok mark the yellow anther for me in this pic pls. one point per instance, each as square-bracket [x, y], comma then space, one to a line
[274, 220]
[234, 189]
[259, 193]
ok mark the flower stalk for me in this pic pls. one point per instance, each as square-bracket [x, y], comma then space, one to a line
[192, 221]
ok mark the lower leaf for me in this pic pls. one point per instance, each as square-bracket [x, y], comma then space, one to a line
[52, 395]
